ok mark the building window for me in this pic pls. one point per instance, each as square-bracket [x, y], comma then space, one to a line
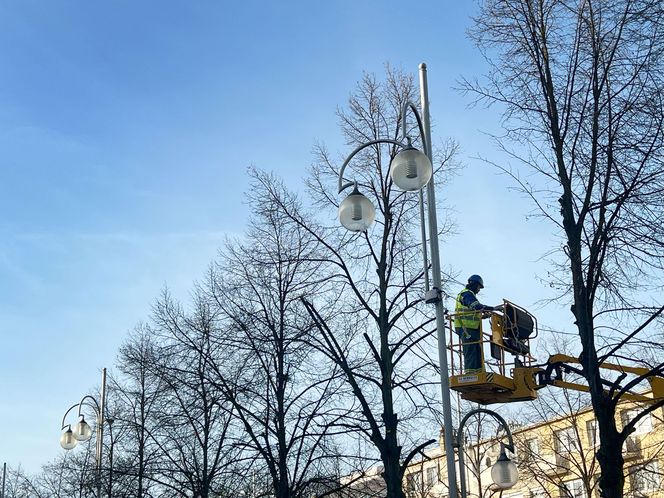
[592, 429]
[572, 489]
[432, 476]
[538, 493]
[643, 426]
[412, 482]
[644, 478]
[531, 449]
[565, 441]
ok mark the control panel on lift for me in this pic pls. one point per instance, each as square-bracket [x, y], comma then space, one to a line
[507, 365]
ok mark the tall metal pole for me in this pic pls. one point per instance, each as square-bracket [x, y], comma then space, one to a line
[4, 475]
[110, 456]
[437, 287]
[100, 430]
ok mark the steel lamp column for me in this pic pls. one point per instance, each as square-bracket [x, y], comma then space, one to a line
[435, 294]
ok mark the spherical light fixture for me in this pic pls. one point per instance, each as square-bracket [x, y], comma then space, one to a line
[82, 430]
[67, 439]
[504, 472]
[411, 169]
[356, 212]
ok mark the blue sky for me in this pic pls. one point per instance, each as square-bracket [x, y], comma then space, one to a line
[126, 129]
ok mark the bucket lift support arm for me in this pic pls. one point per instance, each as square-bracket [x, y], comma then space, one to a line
[551, 374]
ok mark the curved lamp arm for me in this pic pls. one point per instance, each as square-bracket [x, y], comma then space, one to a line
[420, 125]
[91, 402]
[500, 420]
[404, 138]
[67, 413]
[84, 402]
[343, 186]
[458, 444]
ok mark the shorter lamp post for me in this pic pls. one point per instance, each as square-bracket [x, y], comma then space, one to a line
[83, 432]
[504, 472]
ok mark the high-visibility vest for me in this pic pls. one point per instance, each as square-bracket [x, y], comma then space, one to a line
[465, 317]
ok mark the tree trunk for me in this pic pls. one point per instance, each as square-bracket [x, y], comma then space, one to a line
[392, 453]
[392, 474]
[610, 458]
[609, 454]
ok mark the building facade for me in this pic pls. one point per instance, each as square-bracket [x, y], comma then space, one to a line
[556, 459]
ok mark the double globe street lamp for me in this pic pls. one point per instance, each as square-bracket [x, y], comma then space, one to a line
[82, 432]
[412, 170]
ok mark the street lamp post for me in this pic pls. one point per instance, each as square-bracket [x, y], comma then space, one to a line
[82, 431]
[411, 170]
[110, 421]
[504, 472]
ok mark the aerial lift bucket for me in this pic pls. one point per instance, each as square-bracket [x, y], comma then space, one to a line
[508, 373]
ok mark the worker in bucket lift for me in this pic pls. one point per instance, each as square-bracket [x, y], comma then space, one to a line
[467, 322]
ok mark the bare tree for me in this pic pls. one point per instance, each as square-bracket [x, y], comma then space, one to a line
[18, 484]
[194, 429]
[371, 320]
[580, 84]
[556, 449]
[70, 475]
[135, 398]
[284, 392]
[423, 478]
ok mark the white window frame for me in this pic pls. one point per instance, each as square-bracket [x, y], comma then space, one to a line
[432, 475]
[565, 441]
[531, 448]
[538, 493]
[645, 478]
[574, 488]
[592, 429]
[411, 485]
[643, 426]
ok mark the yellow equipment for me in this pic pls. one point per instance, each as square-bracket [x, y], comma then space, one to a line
[510, 373]
[559, 364]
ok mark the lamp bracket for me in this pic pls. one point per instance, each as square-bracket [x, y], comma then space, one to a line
[420, 124]
[88, 401]
[343, 186]
[432, 296]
